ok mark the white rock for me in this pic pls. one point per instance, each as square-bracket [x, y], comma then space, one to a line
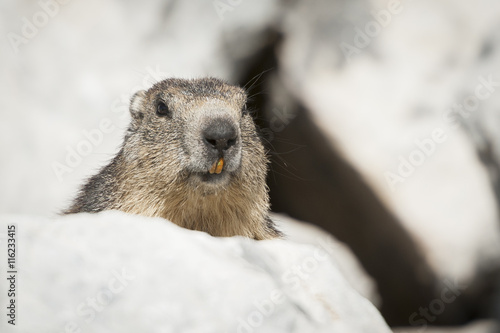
[113, 272]
[397, 91]
[345, 260]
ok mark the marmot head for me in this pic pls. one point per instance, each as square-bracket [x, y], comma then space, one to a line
[196, 131]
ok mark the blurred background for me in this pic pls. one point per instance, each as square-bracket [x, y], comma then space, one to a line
[381, 119]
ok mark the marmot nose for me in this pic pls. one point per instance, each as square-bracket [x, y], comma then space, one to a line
[220, 135]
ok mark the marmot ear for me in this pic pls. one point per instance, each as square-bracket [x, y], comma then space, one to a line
[137, 107]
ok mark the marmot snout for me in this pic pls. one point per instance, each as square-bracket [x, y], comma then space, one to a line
[191, 155]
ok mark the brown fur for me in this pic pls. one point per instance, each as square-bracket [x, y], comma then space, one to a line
[160, 168]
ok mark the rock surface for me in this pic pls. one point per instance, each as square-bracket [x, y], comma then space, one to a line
[121, 273]
[338, 121]
[394, 171]
[306, 233]
[376, 112]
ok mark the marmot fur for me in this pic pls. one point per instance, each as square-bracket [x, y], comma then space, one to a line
[192, 156]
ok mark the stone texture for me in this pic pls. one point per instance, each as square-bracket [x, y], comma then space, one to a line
[122, 273]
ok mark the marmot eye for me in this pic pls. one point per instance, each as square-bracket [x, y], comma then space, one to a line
[162, 109]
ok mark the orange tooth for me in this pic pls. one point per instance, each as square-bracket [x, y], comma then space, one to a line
[212, 169]
[217, 166]
[220, 165]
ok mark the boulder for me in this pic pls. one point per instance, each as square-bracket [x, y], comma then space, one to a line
[117, 272]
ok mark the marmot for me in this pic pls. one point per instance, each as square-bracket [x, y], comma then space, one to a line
[191, 155]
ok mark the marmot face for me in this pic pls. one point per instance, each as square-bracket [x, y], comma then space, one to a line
[193, 131]
[191, 155]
